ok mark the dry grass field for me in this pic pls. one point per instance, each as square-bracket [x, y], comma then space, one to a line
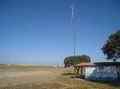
[41, 77]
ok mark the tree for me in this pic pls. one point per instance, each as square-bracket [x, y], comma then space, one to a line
[112, 46]
[73, 60]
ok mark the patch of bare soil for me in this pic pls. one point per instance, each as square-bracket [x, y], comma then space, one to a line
[48, 79]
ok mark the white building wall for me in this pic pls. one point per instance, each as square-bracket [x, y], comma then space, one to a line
[101, 73]
[89, 71]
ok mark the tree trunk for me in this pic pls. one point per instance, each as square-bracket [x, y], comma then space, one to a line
[114, 60]
[118, 72]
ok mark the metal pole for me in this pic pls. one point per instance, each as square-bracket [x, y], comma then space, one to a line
[74, 32]
[74, 42]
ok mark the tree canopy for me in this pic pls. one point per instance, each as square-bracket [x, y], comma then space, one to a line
[72, 60]
[112, 46]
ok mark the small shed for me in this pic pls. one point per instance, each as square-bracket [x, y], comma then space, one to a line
[100, 70]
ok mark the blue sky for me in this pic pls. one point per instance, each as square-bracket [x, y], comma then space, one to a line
[39, 31]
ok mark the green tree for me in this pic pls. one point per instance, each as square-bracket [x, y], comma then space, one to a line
[112, 46]
[73, 60]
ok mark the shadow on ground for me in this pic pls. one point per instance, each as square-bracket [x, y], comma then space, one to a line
[68, 74]
[76, 76]
[111, 83]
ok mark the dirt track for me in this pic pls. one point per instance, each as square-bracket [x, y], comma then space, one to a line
[15, 78]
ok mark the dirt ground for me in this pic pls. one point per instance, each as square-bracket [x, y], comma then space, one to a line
[44, 78]
[11, 76]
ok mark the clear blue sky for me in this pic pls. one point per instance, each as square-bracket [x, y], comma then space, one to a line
[39, 31]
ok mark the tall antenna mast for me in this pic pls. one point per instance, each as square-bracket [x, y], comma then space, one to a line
[74, 32]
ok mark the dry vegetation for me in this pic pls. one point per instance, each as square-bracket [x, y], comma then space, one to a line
[37, 77]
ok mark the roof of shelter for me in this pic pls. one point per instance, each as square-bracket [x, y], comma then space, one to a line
[86, 65]
[107, 63]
